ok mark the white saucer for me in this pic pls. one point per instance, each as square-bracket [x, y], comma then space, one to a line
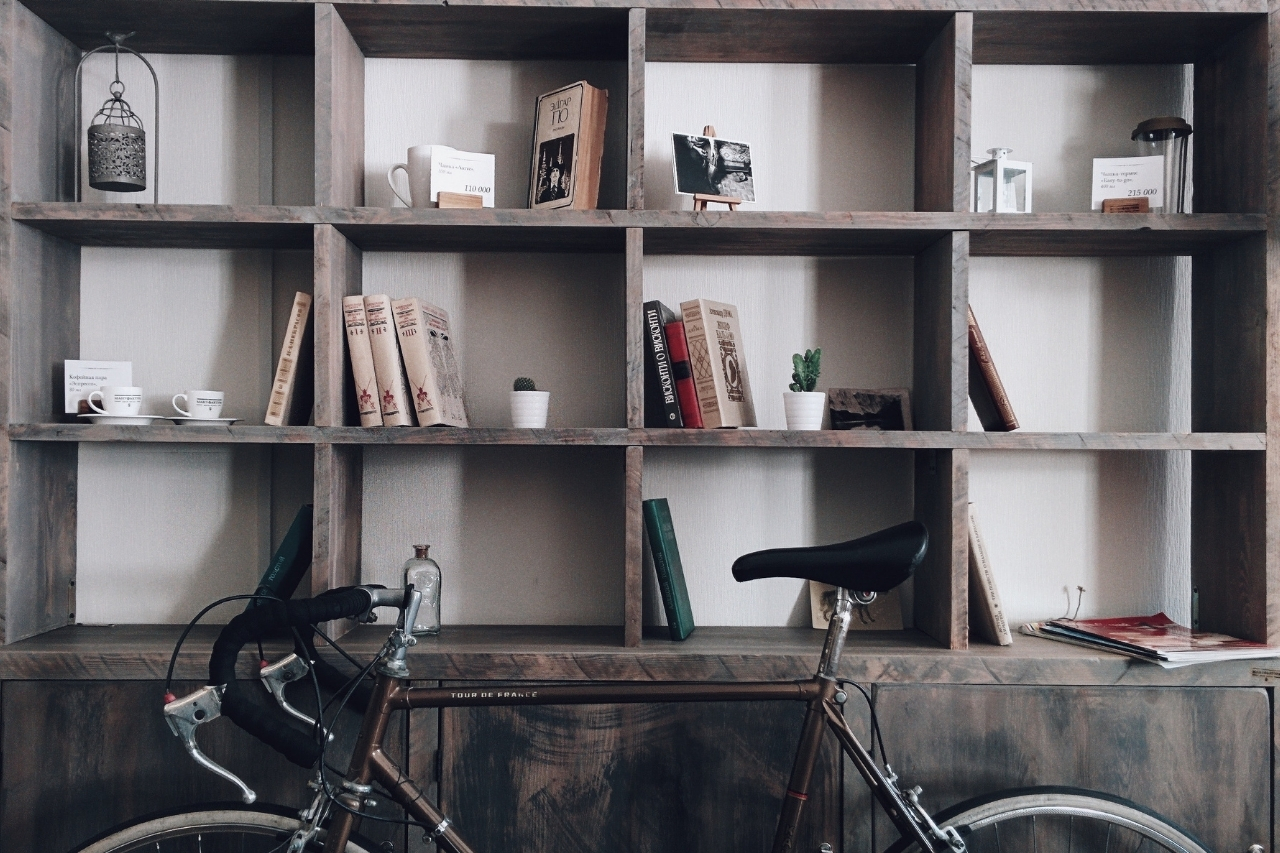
[124, 420]
[183, 419]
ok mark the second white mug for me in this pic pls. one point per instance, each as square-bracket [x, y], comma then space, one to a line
[418, 171]
[202, 405]
[119, 400]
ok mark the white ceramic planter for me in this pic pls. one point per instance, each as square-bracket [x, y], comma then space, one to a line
[529, 409]
[804, 408]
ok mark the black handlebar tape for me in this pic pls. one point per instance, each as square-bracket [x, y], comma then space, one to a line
[269, 727]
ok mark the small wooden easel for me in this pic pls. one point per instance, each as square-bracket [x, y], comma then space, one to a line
[700, 199]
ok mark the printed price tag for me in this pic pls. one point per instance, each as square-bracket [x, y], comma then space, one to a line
[457, 171]
[1128, 177]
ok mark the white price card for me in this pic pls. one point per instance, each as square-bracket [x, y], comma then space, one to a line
[1128, 177]
[81, 377]
[457, 171]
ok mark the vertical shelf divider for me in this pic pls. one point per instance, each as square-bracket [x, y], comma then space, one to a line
[41, 303]
[339, 469]
[940, 392]
[635, 108]
[339, 93]
[633, 564]
[944, 84]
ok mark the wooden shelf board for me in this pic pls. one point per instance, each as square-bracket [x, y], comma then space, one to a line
[716, 34]
[165, 432]
[183, 226]
[486, 229]
[722, 232]
[186, 26]
[1095, 234]
[1105, 35]
[507, 32]
[542, 653]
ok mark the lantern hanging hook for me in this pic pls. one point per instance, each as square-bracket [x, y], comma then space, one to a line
[117, 46]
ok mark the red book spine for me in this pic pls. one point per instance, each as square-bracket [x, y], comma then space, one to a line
[686, 392]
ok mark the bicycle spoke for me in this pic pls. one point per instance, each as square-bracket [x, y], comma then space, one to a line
[1071, 826]
[1108, 847]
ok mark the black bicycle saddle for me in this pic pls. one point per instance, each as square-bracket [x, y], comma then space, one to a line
[876, 562]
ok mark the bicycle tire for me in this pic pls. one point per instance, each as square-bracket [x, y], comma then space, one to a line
[1111, 823]
[212, 828]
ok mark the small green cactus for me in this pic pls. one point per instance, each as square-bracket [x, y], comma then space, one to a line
[807, 368]
[524, 383]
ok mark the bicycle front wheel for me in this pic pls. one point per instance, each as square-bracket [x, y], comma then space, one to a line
[212, 830]
[1053, 819]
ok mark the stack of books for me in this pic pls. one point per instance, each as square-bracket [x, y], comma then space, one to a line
[695, 368]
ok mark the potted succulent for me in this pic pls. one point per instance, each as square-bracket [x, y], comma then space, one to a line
[803, 405]
[528, 405]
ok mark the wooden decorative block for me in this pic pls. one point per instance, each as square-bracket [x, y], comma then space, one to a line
[1126, 205]
[446, 199]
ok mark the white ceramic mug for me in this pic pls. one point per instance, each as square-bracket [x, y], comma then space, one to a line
[121, 400]
[203, 405]
[418, 171]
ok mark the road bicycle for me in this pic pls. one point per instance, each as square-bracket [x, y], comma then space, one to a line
[1029, 819]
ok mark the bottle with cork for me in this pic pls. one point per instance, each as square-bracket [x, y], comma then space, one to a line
[424, 573]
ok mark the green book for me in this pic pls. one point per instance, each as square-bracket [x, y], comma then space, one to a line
[291, 560]
[666, 560]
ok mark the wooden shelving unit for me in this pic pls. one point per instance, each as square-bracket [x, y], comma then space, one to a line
[1236, 555]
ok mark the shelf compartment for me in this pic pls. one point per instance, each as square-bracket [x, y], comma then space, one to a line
[1103, 37]
[404, 229]
[164, 434]
[165, 26]
[178, 226]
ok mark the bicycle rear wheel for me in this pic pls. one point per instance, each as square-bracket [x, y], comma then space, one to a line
[231, 829]
[1052, 819]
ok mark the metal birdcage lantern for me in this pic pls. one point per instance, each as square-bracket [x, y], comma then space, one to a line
[1001, 185]
[116, 140]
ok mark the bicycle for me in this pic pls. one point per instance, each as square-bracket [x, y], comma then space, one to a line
[872, 564]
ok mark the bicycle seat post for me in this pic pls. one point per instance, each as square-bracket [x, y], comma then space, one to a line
[829, 663]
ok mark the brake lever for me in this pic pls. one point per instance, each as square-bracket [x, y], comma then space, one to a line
[280, 673]
[185, 715]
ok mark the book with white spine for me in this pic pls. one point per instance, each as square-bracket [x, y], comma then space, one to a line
[984, 598]
[393, 397]
[291, 394]
[361, 353]
[429, 390]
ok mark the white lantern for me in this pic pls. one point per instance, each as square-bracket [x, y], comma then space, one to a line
[1001, 185]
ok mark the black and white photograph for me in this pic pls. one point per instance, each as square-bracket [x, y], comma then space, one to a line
[708, 165]
[859, 408]
[555, 169]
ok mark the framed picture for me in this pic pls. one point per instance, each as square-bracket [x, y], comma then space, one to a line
[859, 408]
[709, 165]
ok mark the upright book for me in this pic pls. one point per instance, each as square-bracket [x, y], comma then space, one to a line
[393, 397]
[568, 143]
[292, 391]
[985, 388]
[661, 533]
[682, 374]
[719, 363]
[984, 598]
[661, 408]
[361, 353]
[435, 389]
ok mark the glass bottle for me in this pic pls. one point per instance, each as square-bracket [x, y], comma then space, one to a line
[424, 573]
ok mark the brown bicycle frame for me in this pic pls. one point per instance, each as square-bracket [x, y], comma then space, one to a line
[369, 763]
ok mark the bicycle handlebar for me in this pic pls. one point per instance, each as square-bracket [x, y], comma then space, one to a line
[258, 623]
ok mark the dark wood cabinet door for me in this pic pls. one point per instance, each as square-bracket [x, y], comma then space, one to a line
[1199, 756]
[669, 778]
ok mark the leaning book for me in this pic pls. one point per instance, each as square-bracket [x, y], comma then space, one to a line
[568, 142]
[1155, 638]
[661, 534]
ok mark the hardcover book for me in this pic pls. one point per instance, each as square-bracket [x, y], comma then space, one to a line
[682, 373]
[393, 397]
[719, 363]
[985, 388]
[435, 386]
[661, 408]
[292, 390]
[568, 143]
[361, 355]
[984, 598]
[661, 536]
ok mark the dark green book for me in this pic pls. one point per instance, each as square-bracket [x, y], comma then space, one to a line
[291, 560]
[666, 560]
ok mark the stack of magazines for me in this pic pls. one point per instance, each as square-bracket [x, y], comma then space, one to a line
[1152, 638]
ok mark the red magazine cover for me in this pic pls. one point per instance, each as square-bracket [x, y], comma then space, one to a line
[1157, 638]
